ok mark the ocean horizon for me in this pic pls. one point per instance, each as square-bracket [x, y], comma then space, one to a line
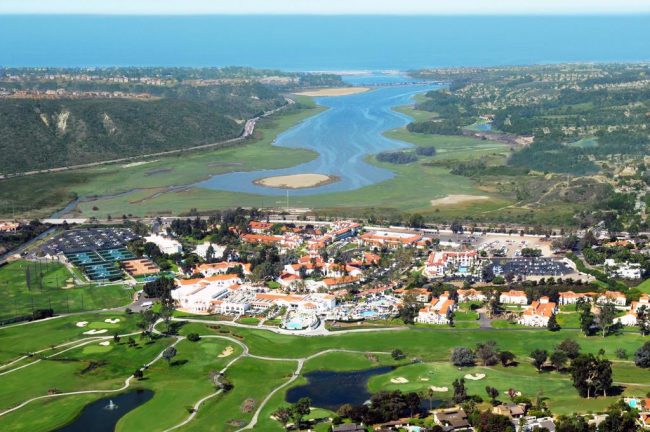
[320, 43]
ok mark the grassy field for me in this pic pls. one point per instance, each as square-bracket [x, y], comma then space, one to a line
[16, 340]
[26, 286]
[253, 380]
[40, 195]
[74, 371]
[177, 386]
[644, 286]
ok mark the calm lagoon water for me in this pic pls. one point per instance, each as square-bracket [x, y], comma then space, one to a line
[97, 417]
[344, 135]
[330, 389]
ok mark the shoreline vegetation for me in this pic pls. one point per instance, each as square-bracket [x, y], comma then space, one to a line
[331, 92]
[297, 181]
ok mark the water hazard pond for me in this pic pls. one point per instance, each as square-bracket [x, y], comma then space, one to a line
[331, 389]
[102, 416]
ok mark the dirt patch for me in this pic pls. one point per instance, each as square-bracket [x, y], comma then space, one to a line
[342, 91]
[224, 164]
[248, 406]
[296, 181]
[457, 199]
[158, 171]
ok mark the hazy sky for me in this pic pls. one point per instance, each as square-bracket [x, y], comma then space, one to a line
[326, 6]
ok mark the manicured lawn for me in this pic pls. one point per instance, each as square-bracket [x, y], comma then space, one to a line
[26, 286]
[341, 361]
[17, 340]
[563, 398]
[644, 286]
[249, 320]
[74, 370]
[253, 379]
[179, 386]
[427, 344]
[46, 414]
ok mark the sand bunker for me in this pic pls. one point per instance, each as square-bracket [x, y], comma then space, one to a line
[475, 377]
[112, 321]
[507, 392]
[342, 91]
[82, 324]
[105, 343]
[439, 389]
[226, 352]
[296, 181]
[399, 380]
[424, 379]
[457, 199]
[94, 332]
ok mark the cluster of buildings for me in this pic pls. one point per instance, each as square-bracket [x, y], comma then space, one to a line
[437, 311]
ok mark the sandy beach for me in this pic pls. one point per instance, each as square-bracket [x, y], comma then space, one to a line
[342, 91]
[296, 181]
[457, 199]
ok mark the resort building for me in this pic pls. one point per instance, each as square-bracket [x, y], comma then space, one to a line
[261, 239]
[259, 227]
[630, 318]
[437, 311]
[514, 297]
[340, 282]
[421, 295]
[389, 239]
[202, 250]
[211, 269]
[8, 226]
[441, 263]
[471, 295]
[623, 270]
[570, 297]
[615, 297]
[538, 313]
[165, 244]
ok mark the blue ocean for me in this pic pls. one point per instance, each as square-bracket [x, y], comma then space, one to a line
[320, 42]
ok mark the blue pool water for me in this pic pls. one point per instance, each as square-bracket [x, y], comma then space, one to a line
[344, 136]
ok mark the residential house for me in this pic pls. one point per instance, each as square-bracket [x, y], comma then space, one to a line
[531, 424]
[452, 419]
[512, 410]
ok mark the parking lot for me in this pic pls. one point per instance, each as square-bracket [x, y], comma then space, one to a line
[531, 267]
[87, 239]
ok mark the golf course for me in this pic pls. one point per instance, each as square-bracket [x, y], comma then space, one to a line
[49, 370]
